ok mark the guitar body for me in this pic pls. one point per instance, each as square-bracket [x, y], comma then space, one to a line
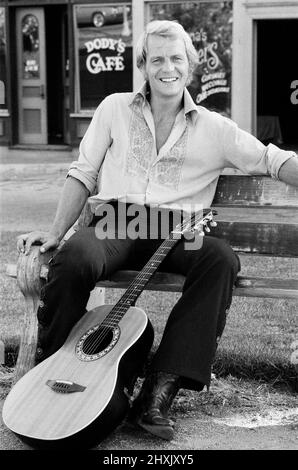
[76, 397]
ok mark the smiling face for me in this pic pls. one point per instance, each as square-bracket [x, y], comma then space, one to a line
[167, 66]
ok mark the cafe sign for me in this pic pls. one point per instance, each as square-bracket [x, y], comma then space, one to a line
[97, 62]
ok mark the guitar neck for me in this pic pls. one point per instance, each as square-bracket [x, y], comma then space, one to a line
[144, 276]
[138, 284]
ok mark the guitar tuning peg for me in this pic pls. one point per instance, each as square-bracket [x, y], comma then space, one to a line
[213, 223]
[207, 229]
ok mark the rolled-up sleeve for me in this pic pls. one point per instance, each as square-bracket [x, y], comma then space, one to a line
[276, 157]
[93, 146]
[246, 153]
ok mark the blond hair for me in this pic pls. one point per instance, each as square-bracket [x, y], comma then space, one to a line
[166, 28]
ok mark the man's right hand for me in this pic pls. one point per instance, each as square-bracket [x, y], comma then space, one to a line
[46, 239]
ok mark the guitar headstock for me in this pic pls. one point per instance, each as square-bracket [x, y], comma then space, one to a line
[200, 223]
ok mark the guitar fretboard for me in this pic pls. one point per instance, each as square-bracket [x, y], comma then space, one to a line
[137, 285]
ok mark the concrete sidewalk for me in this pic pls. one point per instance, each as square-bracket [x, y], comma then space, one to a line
[27, 163]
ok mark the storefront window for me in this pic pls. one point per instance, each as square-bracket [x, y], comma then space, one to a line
[3, 104]
[104, 51]
[209, 24]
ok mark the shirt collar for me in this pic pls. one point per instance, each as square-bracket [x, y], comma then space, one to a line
[139, 97]
[190, 108]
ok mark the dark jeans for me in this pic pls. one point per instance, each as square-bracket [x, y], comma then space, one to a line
[194, 325]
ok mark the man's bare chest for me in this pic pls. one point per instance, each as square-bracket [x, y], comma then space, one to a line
[162, 132]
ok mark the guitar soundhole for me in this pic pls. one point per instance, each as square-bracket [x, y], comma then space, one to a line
[97, 342]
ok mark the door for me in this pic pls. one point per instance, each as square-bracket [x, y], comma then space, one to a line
[31, 70]
[277, 71]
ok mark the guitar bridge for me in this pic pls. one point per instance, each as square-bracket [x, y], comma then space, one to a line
[64, 386]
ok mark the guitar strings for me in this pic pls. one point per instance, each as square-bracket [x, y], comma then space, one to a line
[115, 315]
[91, 345]
[116, 310]
[119, 309]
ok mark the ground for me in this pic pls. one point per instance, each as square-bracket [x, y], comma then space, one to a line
[232, 415]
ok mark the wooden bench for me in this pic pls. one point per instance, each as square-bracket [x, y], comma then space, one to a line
[257, 215]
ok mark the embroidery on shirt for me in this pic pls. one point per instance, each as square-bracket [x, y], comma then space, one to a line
[168, 169]
[140, 145]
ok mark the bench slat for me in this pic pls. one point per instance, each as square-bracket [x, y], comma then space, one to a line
[245, 286]
[254, 190]
[257, 214]
[260, 238]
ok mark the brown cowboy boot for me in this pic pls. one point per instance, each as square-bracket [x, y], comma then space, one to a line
[150, 408]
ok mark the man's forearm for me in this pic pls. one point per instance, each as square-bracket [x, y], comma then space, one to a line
[71, 203]
[288, 172]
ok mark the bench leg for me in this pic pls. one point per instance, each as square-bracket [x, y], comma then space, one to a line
[28, 342]
[30, 280]
[2, 353]
[294, 355]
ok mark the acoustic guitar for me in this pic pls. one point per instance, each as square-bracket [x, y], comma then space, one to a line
[78, 395]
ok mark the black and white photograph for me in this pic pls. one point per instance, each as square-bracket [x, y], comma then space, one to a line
[149, 229]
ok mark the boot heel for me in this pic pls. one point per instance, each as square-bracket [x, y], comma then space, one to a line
[162, 431]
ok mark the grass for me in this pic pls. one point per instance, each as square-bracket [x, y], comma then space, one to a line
[233, 394]
[256, 341]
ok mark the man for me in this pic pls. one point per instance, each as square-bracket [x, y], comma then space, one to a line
[154, 147]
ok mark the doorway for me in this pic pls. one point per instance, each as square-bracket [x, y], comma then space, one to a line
[277, 82]
[57, 72]
[42, 62]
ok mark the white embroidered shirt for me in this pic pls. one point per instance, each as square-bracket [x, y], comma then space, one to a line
[118, 158]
